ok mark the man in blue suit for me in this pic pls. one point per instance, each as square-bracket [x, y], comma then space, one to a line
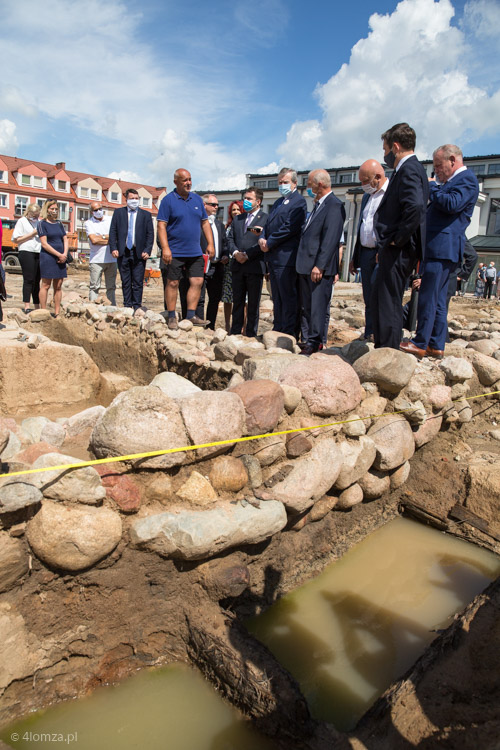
[400, 227]
[451, 204]
[374, 183]
[131, 238]
[280, 240]
[318, 256]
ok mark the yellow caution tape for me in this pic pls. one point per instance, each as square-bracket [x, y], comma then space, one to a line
[152, 454]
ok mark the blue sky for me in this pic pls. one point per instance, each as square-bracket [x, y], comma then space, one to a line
[136, 90]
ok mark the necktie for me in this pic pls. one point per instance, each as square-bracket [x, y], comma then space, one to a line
[248, 220]
[130, 235]
[312, 214]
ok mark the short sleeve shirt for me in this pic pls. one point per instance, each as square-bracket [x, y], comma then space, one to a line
[184, 218]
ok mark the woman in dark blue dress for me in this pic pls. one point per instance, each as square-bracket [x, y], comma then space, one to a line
[53, 254]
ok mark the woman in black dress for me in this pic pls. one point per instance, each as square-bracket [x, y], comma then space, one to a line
[53, 254]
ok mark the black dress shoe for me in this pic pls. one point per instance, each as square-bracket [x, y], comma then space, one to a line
[308, 350]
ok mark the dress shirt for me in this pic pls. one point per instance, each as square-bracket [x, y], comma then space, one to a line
[367, 235]
[316, 208]
[132, 217]
[405, 158]
[215, 233]
[251, 216]
[457, 171]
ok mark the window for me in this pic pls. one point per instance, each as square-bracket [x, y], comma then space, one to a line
[494, 218]
[38, 182]
[84, 192]
[40, 202]
[347, 177]
[82, 214]
[304, 180]
[477, 168]
[493, 168]
[115, 197]
[21, 203]
[260, 183]
[4, 200]
[272, 183]
[63, 211]
[26, 179]
[146, 202]
[61, 185]
[3, 176]
[94, 193]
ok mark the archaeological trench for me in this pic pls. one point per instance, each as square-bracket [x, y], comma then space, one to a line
[145, 561]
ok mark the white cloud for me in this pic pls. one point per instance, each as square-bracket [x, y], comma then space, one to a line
[484, 17]
[125, 175]
[411, 67]
[8, 139]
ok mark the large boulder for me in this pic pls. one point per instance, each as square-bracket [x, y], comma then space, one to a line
[197, 535]
[428, 430]
[273, 339]
[357, 457]
[374, 483]
[75, 485]
[456, 369]
[67, 375]
[390, 369]
[487, 368]
[73, 538]
[393, 440]
[263, 401]
[174, 385]
[328, 385]
[269, 367]
[83, 420]
[141, 420]
[210, 417]
[310, 477]
[18, 500]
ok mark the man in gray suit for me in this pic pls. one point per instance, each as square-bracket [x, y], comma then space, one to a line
[318, 255]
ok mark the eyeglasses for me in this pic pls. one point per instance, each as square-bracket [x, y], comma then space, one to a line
[214, 205]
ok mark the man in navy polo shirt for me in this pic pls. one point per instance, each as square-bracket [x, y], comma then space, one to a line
[181, 219]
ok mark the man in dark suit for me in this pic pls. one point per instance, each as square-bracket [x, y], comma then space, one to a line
[248, 261]
[318, 256]
[131, 238]
[374, 183]
[451, 204]
[215, 273]
[400, 227]
[280, 240]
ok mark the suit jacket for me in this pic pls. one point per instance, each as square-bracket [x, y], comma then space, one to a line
[448, 216]
[241, 239]
[319, 243]
[283, 228]
[401, 215]
[144, 233]
[357, 246]
[223, 244]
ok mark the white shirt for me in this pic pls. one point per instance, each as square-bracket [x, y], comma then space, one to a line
[215, 233]
[22, 228]
[315, 209]
[405, 158]
[99, 253]
[367, 235]
[132, 217]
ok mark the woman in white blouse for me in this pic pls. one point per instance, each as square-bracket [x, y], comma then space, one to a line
[25, 235]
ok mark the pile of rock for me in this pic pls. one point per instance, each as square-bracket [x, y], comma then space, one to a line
[229, 491]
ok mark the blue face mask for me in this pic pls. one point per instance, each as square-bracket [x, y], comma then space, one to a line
[247, 205]
[310, 193]
[285, 188]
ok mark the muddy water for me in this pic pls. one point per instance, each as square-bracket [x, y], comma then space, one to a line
[172, 708]
[349, 633]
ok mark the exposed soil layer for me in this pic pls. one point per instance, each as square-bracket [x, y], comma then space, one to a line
[136, 609]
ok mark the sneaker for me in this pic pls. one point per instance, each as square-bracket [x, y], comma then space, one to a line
[196, 321]
[172, 324]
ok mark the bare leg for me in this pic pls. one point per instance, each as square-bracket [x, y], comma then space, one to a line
[44, 290]
[193, 293]
[57, 284]
[171, 294]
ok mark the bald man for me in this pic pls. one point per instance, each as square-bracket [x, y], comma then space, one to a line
[318, 256]
[374, 183]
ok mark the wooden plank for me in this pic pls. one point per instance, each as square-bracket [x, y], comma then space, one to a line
[422, 514]
[464, 514]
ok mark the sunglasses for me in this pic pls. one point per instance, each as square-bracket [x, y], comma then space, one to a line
[214, 205]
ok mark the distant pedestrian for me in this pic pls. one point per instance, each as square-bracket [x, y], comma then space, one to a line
[480, 280]
[489, 279]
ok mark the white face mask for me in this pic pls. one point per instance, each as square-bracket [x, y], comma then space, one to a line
[98, 214]
[369, 189]
[133, 203]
